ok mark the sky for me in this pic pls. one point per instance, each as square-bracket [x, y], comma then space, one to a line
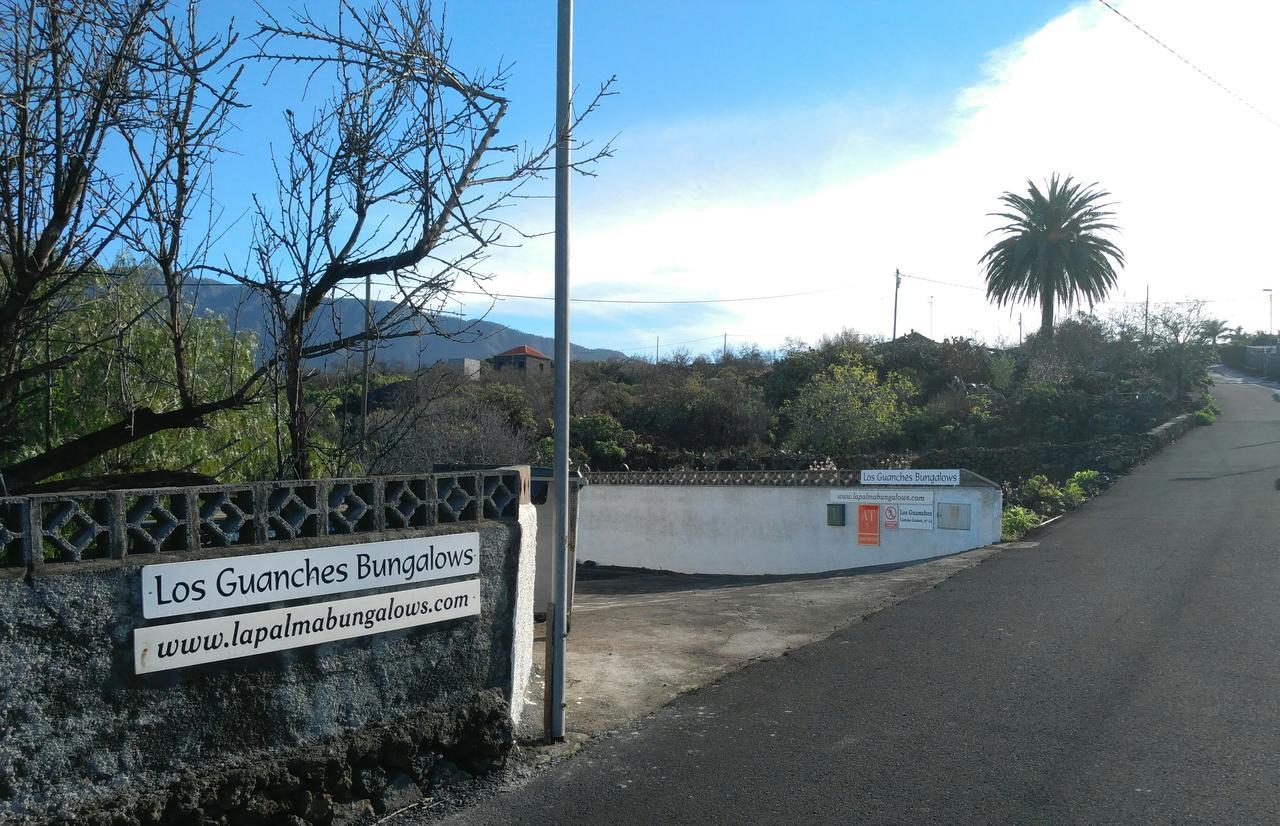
[813, 147]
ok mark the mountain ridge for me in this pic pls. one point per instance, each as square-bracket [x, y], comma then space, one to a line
[460, 337]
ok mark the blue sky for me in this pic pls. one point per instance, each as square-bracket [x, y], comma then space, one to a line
[767, 147]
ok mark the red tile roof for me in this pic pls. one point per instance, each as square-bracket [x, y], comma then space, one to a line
[525, 350]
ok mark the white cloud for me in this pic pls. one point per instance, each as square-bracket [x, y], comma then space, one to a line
[776, 202]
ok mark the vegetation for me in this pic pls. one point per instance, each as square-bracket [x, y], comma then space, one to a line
[1208, 411]
[109, 369]
[1054, 248]
[113, 118]
[1016, 521]
[847, 407]
[1036, 499]
[1047, 419]
[123, 362]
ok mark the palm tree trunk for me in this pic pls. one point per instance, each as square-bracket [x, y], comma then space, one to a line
[1046, 314]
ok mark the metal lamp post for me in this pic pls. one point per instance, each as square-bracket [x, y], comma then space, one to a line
[558, 616]
[1271, 315]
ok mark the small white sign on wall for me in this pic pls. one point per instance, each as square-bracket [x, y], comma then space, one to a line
[916, 517]
[871, 496]
[180, 644]
[911, 476]
[176, 588]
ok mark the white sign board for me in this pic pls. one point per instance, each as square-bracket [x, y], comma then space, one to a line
[871, 496]
[916, 517]
[910, 477]
[180, 644]
[175, 588]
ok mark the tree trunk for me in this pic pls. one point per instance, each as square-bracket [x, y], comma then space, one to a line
[298, 465]
[141, 423]
[1046, 315]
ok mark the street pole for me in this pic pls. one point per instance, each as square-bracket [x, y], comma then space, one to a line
[364, 382]
[656, 341]
[930, 316]
[560, 517]
[1146, 315]
[897, 282]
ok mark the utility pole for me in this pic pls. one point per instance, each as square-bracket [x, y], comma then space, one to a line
[557, 617]
[1146, 315]
[930, 316]
[1271, 315]
[724, 353]
[364, 382]
[897, 282]
[656, 341]
[1019, 329]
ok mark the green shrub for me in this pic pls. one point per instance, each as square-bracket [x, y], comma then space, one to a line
[847, 408]
[1041, 496]
[1002, 369]
[1090, 482]
[1016, 521]
[1073, 495]
[1204, 416]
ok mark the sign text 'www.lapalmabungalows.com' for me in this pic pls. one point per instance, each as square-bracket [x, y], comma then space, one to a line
[179, 644]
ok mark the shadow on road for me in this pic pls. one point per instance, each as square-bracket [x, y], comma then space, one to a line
[611, 579]
[1223, 475]
[1229, 375]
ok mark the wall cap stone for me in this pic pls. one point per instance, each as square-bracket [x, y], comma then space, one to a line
[759, 478]
[46, 530]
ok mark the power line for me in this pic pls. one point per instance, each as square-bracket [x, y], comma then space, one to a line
[652, 301]
[643, 301]
[1178, 55]
[943, 283]
[717, 337]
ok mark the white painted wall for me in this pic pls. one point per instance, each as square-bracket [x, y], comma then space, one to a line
[709, 529]
[522, 613]
[544, 588]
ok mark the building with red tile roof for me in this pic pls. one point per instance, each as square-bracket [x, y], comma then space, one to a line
[525, 359]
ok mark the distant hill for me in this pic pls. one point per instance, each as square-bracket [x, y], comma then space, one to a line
[467, 338]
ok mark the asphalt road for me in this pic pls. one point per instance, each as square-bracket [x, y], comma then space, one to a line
[1126, 669]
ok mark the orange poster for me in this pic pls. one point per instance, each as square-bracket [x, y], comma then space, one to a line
[868, 524]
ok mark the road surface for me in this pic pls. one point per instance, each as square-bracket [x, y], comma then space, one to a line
[1126, 669]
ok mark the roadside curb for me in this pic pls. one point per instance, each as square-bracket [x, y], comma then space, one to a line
[1161, 436]
[1171, 430]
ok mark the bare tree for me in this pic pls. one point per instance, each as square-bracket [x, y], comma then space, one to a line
[450, 427]
[174, 150]
[397, 175]
[77, 78]
[66, 81]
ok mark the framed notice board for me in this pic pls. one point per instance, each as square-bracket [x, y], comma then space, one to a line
[868, 524]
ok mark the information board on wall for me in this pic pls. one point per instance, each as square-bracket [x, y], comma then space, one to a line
[180, 644]
[178, 588]
[916, 517]
[910, 476]
[868, 524]
[883, 496]
[198, 586]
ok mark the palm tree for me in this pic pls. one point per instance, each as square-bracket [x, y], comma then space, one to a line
[1053, 248]
[1212, 329]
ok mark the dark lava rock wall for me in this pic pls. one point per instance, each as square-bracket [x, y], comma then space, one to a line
[323, 734]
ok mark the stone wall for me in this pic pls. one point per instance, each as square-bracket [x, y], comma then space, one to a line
[318, 734]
